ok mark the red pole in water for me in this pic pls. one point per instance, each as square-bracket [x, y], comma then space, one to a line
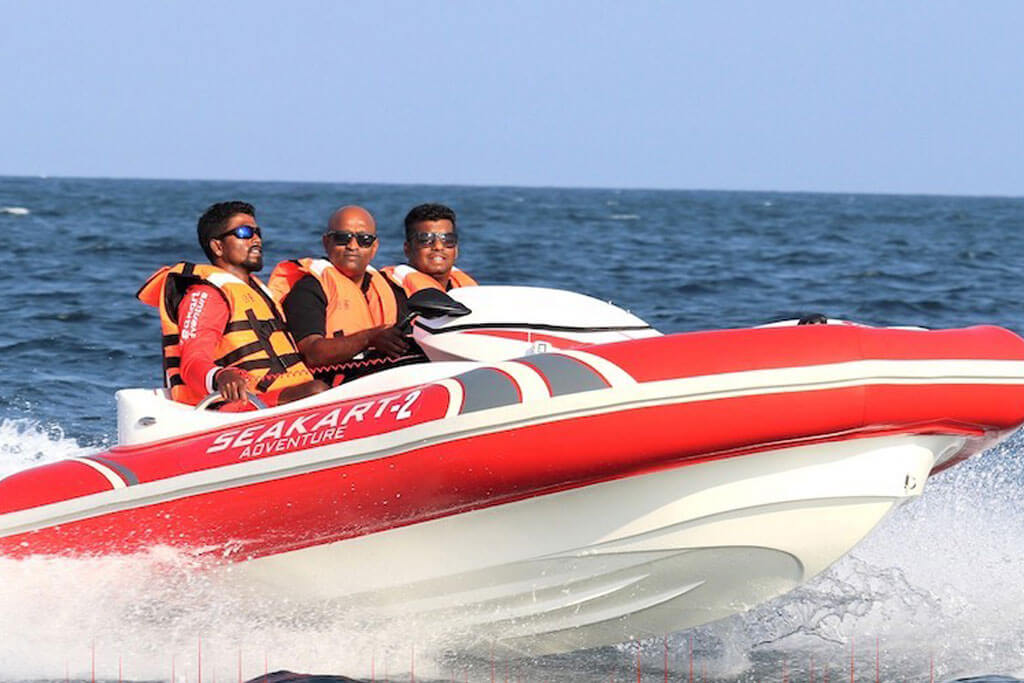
[94, 661]
[691, 659]
[785, 673]
[851, 659]
[638, 665]
[666, 659]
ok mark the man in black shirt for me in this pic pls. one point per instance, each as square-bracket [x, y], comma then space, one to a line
[344, 315]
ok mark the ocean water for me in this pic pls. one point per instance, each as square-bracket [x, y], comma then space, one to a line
[934, 593]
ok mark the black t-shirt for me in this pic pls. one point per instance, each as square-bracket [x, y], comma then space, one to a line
[305, 308]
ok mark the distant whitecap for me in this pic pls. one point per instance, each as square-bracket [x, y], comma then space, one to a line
[625, 217]
[14, 210]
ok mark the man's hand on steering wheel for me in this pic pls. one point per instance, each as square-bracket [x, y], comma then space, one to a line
[232, 384]
[389, 341]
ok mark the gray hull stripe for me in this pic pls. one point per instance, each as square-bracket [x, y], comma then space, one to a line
[129, 477]
[565, 375]
[485, 388]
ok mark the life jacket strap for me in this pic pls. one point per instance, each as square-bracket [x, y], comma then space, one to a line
[232, 357]
[274, 325]
[263, 330]
[289, 359]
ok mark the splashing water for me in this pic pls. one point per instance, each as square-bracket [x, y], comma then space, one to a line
[935, 585]
[25, 442]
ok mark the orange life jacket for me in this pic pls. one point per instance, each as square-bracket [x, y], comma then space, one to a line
[412, 280]
[349, 310]
[254, 340]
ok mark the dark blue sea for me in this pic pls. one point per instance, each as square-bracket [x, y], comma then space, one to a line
[935, 592]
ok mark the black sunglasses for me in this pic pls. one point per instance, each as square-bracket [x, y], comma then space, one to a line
[242, 232]
[341, 239]
[427, 239]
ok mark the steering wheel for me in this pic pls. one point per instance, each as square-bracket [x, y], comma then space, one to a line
[215, 401]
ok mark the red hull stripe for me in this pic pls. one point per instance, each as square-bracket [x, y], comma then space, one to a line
[710, 353]
[565, 375]
[450, 476]
[485, 388]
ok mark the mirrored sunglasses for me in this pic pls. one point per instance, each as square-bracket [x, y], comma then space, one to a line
[341, 239]
[427, 239]
[242, 232]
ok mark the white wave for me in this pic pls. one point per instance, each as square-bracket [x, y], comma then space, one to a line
[142, 615]
[624, 217]
[25, 443]
[14, 210]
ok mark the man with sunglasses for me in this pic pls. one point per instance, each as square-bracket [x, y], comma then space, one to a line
[431, 246]
[340, 309]
[222, 330]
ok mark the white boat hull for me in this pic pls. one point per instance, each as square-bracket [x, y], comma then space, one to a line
[625, 559]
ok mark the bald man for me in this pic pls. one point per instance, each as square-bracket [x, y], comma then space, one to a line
[340, 309]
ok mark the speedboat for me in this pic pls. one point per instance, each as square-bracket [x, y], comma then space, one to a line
[560, 475]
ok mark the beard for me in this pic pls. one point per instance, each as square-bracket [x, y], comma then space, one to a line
[254, 263]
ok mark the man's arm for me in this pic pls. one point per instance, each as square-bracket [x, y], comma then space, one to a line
[318, 350]
[202, 317]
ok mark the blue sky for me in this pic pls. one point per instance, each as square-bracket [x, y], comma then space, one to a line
[903, 97]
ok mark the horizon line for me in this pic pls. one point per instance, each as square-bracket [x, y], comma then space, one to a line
[609, 188]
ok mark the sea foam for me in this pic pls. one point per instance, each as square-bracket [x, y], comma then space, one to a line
[25, 442]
